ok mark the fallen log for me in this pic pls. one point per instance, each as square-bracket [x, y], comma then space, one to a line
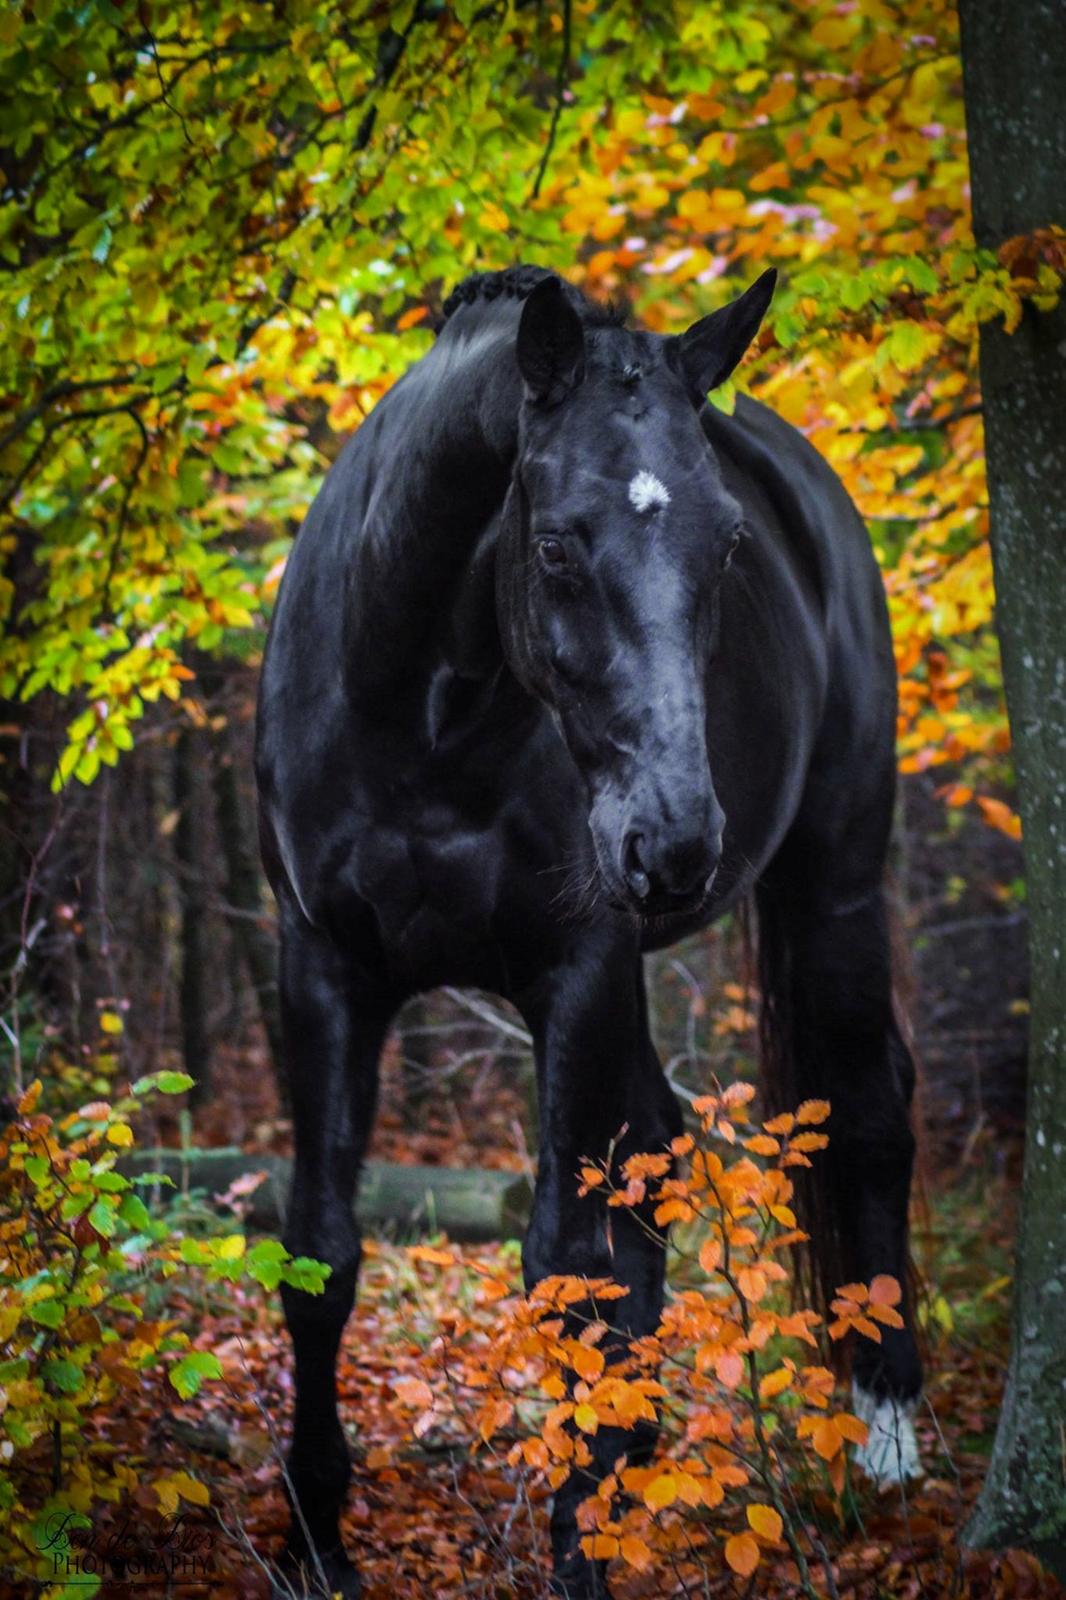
[469, 1205]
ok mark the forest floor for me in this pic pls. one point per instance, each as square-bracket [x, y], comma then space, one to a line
[428, 1516]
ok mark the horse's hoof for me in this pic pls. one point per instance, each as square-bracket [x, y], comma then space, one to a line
[589, 1584]
[299, 1576]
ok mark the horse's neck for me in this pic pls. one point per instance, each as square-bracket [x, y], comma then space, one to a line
[441, 459]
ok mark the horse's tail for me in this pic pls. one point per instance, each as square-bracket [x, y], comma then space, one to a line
[785, 1084]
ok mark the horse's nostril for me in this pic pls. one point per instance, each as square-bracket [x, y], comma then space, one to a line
[636, 875]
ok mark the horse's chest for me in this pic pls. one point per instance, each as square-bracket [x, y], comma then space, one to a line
[433, 882]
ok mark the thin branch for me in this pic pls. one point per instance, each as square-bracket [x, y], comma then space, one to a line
[562, 81]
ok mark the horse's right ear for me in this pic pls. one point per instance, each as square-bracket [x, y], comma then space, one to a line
[551, 344]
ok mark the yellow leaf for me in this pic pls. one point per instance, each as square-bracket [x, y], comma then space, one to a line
[180, 1483]
[586, 1418]
[110, 1022]
[742, 1554]
[120, 1133]
[232, 1247]
[765, 1521]
[661, 1492]
[775, 1383]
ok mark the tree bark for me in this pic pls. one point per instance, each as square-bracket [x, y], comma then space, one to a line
[192, 996]
[1014, 67]
[468, 1205]
[242, 893]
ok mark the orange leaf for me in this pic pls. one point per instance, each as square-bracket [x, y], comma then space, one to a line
[813, 1111]
[412, 318]
[30, 1098]
[730, 1369]
[587, 1361]
[635, 1552]
[1000, 816]
[710, 1255]
[885, 1291]
[760, 1144]
[851, 1427]
[414, 1392]
[742, 1554]
[752, 1283]
[826, 1438]
[854, 1291]
[809, 1141]
[782, 1124]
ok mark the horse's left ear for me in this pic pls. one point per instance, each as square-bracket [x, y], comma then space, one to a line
[712, 347]
[551, 343]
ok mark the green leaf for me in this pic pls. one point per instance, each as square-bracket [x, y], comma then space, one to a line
[306, 1274]
[49, 1313]
[102, 1217]
[165, 1082]
[37, 1170]
[64, 1375]
[134, 1211]
[188, 1374]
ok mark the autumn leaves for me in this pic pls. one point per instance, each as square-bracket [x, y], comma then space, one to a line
[732, 1378]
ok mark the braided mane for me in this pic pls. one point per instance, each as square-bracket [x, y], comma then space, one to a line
[515, 283]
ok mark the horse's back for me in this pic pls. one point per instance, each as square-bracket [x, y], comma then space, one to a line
[815, 607]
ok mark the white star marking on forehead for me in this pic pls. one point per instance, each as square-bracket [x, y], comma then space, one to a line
[647, 492]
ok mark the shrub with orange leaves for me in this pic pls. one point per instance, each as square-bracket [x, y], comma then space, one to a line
[735, 1378]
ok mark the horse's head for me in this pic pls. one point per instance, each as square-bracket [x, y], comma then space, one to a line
[618, 531]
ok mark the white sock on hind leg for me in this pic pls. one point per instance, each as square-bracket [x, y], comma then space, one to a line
[890, 1454]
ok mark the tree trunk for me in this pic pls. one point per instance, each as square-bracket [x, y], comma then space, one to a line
[192, 1003]
[1014, 65]
[474, 1204]
[246, 907]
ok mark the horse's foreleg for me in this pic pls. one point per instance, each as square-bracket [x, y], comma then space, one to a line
[846, 1046]
[598, 1076]
[332, 1044]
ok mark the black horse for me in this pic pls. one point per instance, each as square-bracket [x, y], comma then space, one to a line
[565, 664]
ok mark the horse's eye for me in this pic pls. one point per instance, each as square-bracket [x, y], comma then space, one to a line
[552, 553]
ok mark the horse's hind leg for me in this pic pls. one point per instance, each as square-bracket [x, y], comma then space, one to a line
[828, 986]
[332, 1043]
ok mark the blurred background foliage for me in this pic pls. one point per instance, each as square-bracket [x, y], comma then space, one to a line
[225, 230]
